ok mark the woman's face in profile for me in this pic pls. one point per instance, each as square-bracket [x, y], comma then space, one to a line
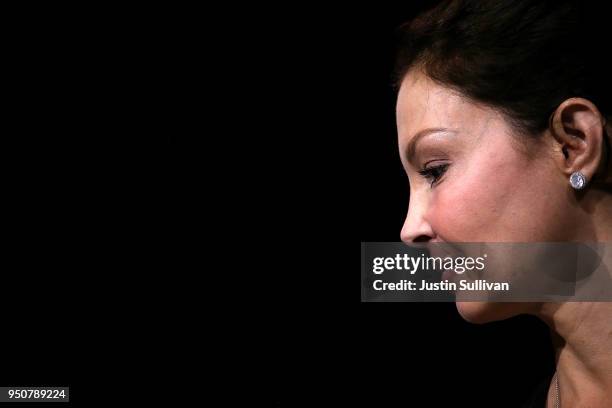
[473, 178]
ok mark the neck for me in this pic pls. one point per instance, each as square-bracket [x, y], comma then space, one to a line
[582, 337]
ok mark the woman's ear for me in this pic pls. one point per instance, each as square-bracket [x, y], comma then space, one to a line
[578, 130]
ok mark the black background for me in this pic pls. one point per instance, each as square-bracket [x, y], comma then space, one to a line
[63, 293]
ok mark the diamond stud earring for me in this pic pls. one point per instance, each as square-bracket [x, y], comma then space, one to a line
[577, 180]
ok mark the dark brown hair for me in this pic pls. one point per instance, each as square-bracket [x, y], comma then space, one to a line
[523, 57]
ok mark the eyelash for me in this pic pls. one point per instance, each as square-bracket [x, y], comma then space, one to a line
[434, 173]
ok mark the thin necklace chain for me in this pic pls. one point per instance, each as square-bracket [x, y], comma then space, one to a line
[557, 395]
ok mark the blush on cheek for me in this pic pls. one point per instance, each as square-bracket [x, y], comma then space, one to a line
[462, 212]
[481, 201]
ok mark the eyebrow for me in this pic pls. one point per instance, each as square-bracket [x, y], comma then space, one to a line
[411, 148]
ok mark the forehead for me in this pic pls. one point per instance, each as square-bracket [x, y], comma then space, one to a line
[423, 103]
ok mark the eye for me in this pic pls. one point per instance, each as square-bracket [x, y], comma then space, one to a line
[434, 173]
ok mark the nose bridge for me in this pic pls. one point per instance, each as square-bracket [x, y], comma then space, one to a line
[416, 226]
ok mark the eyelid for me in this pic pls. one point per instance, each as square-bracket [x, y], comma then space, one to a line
[426, 172]
[441, 162]
[434, 163]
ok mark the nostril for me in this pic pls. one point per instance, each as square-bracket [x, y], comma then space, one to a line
[422, 238]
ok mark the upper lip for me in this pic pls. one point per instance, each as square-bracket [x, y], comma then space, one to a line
[447, 248]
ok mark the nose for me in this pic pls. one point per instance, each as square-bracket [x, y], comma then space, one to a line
[416, 227]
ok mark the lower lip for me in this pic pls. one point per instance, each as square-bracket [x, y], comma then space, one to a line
[447, 275]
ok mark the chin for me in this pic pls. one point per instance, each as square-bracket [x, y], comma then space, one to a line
[485, 312]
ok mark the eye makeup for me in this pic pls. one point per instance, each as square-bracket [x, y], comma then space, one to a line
[433, 173]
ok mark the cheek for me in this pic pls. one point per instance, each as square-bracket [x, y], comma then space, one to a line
[496, 200]
[471, 206]
[454, 212]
